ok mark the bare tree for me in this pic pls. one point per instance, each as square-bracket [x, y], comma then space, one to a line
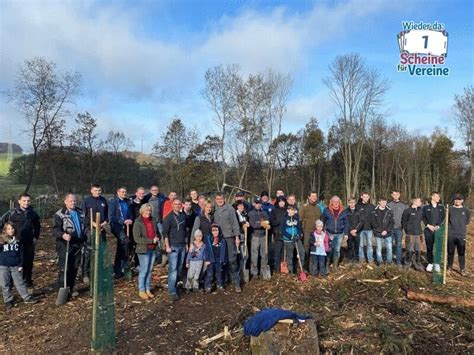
[42, 94]
[220, 93]
[117, 142]
[464, 111]
[358, 92]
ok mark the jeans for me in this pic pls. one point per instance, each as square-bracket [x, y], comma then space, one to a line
[7, 273]
[146, 267]
[175, 267]
[397, 237]
[74, 259]
[258, 246]
[290, 248]
[457, 242]
[388, 245]
[214, 269]
[319, 262]
[335, 246]
[121, 254]
[365, 239]
[232, 260]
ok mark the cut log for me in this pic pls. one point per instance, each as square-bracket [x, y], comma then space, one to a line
[451, 300]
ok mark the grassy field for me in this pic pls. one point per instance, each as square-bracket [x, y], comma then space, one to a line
[9, 189]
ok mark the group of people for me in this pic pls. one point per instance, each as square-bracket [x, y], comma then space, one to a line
[209, 244]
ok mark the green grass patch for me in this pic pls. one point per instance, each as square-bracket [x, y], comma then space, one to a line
[5, 163]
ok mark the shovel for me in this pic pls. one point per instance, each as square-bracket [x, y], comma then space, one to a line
[302, 274]
[63, 292]
[266, 274]
[284, 264]
[245, 271]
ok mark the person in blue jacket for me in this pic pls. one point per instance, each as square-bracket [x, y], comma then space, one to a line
[292, 237]
[217, 247]
[336, 224]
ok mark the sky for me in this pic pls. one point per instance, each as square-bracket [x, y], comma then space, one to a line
[143, 62]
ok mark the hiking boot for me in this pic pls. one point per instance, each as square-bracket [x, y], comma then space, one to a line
[238, 289]
[143, 295]
[30, 301]
[8, 306]
[174, 297]
[149, 294]
[429, 268]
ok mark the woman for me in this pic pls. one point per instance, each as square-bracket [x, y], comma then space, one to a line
[203, 222]
[146, 237]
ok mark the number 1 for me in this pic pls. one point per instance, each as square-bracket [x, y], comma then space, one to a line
[426, 41]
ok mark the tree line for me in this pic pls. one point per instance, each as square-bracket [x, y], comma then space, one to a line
[361, 151]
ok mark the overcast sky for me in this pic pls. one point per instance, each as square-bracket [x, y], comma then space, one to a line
[142, 62]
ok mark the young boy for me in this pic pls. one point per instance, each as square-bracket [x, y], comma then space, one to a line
[292, 237]
[411, 223]
[319, 247]
[355, 225]
[459, 218]
[196, 259]
[382, 223]
[217, 256]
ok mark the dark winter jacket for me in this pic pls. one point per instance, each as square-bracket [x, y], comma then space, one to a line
[96, 204]
[135, 206]
[382, 220]
[458, 220]
[291, 228]
[277, 218]
[247, 206]
[365, 210]
[397, 207]
[255, 217]
[217, 253]
[11, 253]
[63, 223]
[27, 223]
[433, 215]
[190, 219]
[140, 235]
[411, 221]
[174, 229]
[268, 207]
[116, 215]
[354, 219]
[203, 223]
[333, 224]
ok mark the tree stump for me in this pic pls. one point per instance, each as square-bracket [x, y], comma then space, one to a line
[286, 338]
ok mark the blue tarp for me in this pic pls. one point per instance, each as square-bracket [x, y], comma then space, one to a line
[267, 318]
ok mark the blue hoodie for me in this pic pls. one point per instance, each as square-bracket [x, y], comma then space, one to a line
[10, 253]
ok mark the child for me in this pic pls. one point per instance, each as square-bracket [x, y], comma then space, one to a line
[11, 267]
[217, 256]
[292, 236]
[195, 260]
[319, 247]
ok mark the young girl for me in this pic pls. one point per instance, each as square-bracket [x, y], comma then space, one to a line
[196, 259]
[11, 267]
[217, 256]
[319, 247]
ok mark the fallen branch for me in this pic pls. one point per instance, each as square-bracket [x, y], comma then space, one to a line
[379, 281]
[451, 300]
[224, 334]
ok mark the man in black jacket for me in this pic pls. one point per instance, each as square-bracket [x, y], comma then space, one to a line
[276, 220]
[28, 227]
[355, 225]
[459, 218]
[90, 206]
[257, 219]
[382, 222]
[433, 218]
[411, 223]
[68, 226]
[365, 209]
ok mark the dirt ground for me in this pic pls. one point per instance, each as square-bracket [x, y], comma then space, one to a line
[352, 316]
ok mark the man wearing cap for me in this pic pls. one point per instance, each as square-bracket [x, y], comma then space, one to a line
[226, 219]
[266, 204]
[459, 218]
[240, 197]
[258, 219]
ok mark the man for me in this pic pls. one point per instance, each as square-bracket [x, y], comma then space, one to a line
[336, 225]
[382, 222]
[137, 201]
[365, 209]
[225, 217]
[168, 205]
[91, 205]
[120, 217]
[156, 201]
[308, 215]
[355, 225]
[459, 218]
[397, 208]
[411, 223]
[291, 202]
[266, 204]
[259, 222]
[433, 219]
[190, 217]
[193, 195]
[278, 194]
[28, 227]
[176, 242]
[240, 198]
[69, 226]
[201, 203]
